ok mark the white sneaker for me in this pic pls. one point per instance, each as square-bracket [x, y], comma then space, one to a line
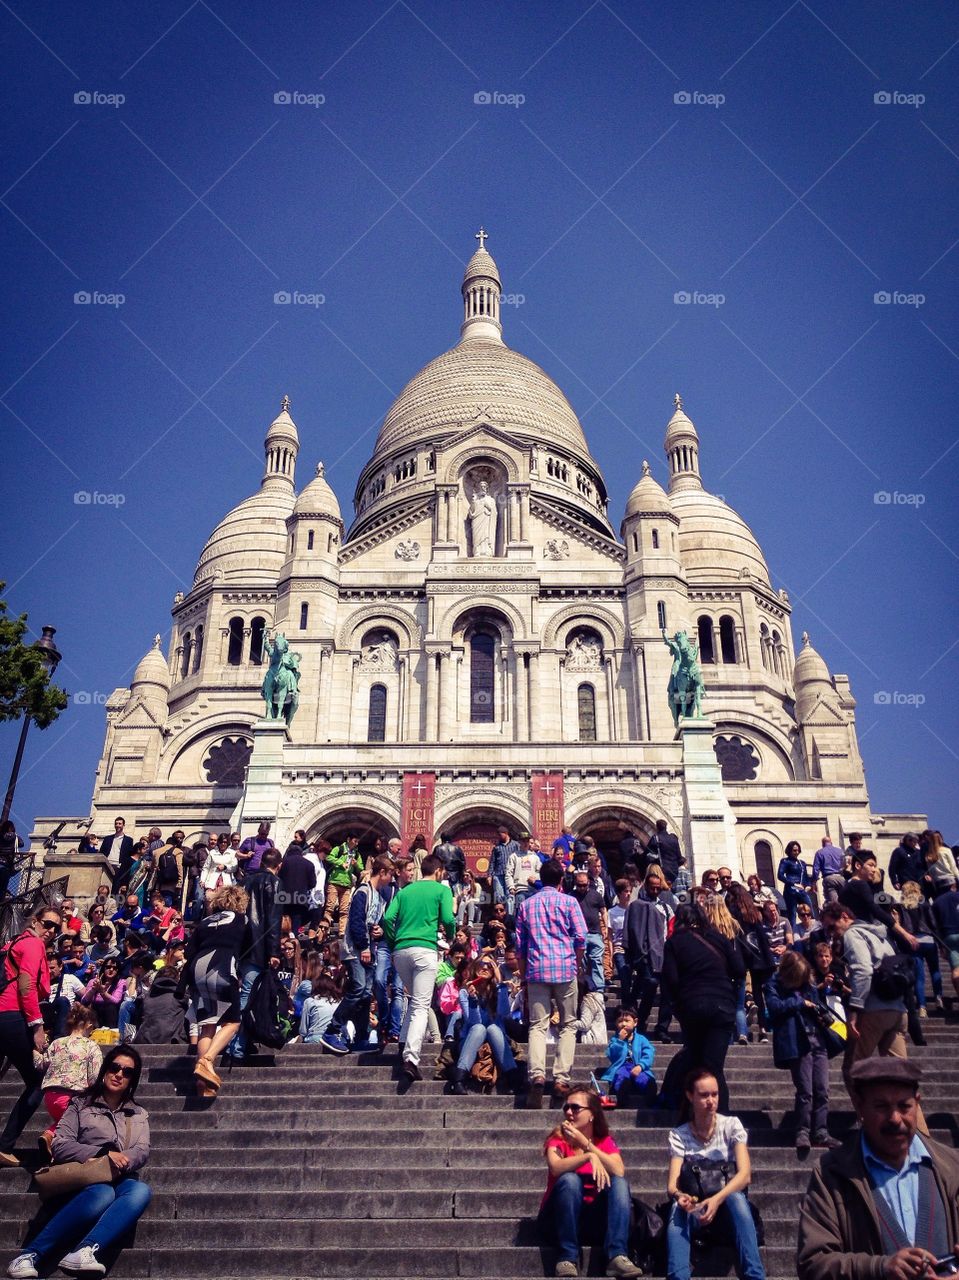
[83, 1260]
[23, 1267]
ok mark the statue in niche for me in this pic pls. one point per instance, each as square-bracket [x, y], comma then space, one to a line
[281, 684]
[584, 652]
[482, 521]
[380, 653]
[685, 690]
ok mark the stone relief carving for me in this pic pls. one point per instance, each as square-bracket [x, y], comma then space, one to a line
[408, 549]
[585, 651]
[556, 549]
[379, 653]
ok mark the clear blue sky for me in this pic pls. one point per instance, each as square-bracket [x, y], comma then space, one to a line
[797, 199]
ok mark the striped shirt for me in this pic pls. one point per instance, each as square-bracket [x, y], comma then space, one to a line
[549, 929]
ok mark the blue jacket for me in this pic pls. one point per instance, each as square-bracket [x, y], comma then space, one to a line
[476, 1014]
[638, 1048]
[792, 871]
[794, 1026]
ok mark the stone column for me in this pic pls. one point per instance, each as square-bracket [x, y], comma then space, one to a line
[401, 692]
[717, 644]
[447, 696]
[521, 727]
[610, 698]
[505, 691]
[524, 515]
[535, 701]
[740, 641]
[432, 697]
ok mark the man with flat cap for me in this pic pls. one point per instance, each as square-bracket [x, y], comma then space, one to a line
[885, 1204]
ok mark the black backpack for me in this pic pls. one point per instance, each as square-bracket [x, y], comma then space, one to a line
[268, 1017]
[168, 869]
[894, 977]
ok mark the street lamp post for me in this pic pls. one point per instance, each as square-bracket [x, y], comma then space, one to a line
[50, 657]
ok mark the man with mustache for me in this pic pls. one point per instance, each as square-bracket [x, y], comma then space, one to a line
[886, 1203]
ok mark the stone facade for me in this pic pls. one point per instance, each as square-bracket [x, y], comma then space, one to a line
[481, 621]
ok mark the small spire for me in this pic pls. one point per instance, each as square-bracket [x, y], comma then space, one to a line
[645, 467]
[285, 405]
[320, 471]
[482, 236]
[805, 639]
[678, 400]
[157, 641]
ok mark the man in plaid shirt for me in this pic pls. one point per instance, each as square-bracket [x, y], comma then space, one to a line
[550, 942]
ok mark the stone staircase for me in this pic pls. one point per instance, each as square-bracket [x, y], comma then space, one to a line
[314, 1166]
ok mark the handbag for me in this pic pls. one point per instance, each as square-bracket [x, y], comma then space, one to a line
[73, 1175]
[834, 1031]
[702, 1178]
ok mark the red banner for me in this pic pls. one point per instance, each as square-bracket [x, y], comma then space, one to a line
[546, 806]
[419, 793]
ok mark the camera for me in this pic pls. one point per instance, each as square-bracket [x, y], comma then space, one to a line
[947, 1266]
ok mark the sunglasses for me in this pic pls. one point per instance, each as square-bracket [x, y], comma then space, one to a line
[573, 1108]
[50, 924]
[127, 1072]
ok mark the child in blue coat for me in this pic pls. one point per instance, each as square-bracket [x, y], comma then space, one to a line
[630, 1059]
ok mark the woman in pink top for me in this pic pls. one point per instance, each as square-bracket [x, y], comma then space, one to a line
[26, 981]
[105, 991]
[586, 1190]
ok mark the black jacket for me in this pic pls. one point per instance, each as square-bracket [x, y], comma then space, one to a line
[700, 970]
[663, 847]
[297, 875]
[644, 934]
[125, 852]
[265, 915]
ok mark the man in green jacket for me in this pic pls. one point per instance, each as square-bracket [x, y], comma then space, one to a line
[412, 923]
[343, 870]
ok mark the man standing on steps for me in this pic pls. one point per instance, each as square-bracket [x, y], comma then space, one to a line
[411, 925]
[550, 942]
[363, 932]
[663, 849]
[265, 919]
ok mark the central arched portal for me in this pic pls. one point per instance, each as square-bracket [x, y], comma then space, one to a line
[608, 825]
[336, 826]
[476, 830]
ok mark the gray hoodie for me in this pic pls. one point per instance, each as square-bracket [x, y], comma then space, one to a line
[864, 945]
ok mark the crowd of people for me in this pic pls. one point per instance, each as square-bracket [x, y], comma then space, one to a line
[412, 947]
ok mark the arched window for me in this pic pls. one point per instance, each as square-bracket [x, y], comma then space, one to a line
[482, 678]
[655, 539]
[727, 638]
[586, 708]
[704, 633]
[197, 648]
[234, 653]
[376, 722]
[764, 862]
[661, 614]
[257, 636]
[309, 540]
[764, 643]
[304, 615]
[187, 652]
[776, 653]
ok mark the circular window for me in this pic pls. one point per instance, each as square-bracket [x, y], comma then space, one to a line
[226, 763]
[738, 761]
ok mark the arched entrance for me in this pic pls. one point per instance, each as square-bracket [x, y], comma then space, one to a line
[476, 831]
[608, 825]
[336, 826]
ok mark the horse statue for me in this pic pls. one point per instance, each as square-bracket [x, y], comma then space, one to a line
[685, 690]
[282, 680]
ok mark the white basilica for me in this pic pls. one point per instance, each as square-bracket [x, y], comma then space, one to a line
[479, 646]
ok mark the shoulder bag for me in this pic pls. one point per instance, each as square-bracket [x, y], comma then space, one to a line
[73, 1175]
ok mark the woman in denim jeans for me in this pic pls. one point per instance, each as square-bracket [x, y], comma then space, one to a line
[105, 1119]
[484, 1005]
[586, 1191]
[706, 1137]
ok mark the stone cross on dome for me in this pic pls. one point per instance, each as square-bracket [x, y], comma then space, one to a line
[285, 405]
[482, 236]
[678, 400]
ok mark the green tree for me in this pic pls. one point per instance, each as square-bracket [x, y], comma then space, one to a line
[25, 687]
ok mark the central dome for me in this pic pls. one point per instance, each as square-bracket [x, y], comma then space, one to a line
[481, 380]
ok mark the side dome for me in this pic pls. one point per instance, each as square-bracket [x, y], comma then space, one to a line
[152, 670]
[648, 497]
[481, 376]
[318, 499]
[811, 680]
[249, 543]
[715, 543]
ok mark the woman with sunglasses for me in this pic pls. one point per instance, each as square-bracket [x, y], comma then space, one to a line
[587, 1194]
[26, 977]
[105, 992]
[104, 1120]
[484, 1004]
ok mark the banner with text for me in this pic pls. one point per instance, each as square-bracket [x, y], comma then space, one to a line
[546, 807]
[419, 793]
